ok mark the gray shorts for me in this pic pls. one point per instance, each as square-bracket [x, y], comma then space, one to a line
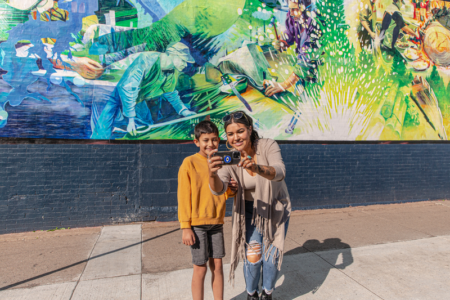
[208, 243]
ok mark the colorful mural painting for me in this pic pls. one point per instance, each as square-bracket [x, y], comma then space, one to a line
[345, 70]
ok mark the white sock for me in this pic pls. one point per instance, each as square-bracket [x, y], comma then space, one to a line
[268, 292]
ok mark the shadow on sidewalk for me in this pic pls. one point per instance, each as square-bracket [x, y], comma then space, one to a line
[301, 274]
[83, 261]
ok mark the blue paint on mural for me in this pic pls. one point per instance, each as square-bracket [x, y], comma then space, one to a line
[152, 69]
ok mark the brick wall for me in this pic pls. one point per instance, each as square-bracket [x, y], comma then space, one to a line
[74, 185]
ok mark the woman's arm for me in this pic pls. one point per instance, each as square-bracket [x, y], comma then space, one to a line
[276, 169]
[267, 172]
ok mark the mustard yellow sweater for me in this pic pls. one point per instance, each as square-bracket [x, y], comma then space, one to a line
[196, 203]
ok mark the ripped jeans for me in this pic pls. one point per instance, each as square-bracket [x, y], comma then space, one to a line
[252, 271]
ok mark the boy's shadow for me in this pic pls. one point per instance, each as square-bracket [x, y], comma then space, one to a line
[303, 271]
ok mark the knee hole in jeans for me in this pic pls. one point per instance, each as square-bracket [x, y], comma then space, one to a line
[254, 252]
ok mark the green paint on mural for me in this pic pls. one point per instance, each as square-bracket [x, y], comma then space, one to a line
[152, 69]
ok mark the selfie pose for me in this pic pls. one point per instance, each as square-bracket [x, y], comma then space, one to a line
[201, 214]
[262, 206]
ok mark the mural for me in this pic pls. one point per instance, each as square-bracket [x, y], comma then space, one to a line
[152, 69]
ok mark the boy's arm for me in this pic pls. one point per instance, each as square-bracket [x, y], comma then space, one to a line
[184, 197]
[185, 205]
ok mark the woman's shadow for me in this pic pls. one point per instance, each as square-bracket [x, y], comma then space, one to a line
[304, 271]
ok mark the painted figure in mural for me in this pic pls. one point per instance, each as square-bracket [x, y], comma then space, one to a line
[367, 26]
[128, 47]
[211, 21]
[305, 32]
[151, 75]
[391, 25]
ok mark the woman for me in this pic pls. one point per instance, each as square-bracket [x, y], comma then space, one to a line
[261, 207]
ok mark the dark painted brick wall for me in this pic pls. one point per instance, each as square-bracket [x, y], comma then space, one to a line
[48, 186]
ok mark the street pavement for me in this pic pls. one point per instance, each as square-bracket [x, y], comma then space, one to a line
[394, 251]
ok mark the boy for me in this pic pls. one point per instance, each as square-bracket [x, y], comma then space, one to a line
[201, 214]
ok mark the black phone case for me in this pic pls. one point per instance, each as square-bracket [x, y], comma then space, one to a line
[229, 157]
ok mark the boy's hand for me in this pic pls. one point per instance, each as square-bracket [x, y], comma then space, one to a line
[188, 237]
[233, 185]
[214, 163]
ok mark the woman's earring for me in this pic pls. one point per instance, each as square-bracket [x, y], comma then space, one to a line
[228, 147]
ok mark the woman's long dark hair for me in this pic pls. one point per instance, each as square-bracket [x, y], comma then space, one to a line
[247, 121]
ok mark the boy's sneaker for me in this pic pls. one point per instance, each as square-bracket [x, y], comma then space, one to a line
[253, 297]
[264, 296]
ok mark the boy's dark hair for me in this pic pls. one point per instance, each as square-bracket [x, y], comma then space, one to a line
[205, 127]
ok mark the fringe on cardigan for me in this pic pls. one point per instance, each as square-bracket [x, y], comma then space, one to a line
[262, 226]
[240, 242]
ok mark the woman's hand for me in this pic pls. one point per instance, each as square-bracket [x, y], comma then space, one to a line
[214, 163]
[188, 237]
[247, 162]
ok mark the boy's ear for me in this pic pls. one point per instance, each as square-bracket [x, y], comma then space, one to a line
[197, 143]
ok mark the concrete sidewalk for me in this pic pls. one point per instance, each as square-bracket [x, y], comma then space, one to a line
[397, 251]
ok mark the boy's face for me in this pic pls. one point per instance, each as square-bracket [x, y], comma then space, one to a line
[207, 142]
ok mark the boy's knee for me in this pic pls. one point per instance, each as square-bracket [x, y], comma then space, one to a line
[218, 267]
[254, 252]
[215, 264]
[200, 270]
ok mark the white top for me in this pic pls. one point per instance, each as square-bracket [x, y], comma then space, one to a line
[249, 186]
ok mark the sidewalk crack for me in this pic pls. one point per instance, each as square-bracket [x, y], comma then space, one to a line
[89, 258]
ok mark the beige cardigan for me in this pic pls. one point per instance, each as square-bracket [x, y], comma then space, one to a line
[272, 205]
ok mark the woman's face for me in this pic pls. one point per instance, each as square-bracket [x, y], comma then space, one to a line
[238, 136]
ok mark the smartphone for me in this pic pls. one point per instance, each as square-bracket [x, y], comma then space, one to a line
[229, 157]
